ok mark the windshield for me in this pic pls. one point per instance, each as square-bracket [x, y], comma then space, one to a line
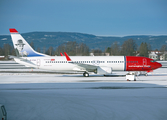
[152, 61]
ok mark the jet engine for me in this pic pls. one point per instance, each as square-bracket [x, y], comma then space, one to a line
[103, 70]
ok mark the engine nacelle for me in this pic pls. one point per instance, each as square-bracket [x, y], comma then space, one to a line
[103, 70]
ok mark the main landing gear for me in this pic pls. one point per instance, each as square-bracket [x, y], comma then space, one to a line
[85, 74]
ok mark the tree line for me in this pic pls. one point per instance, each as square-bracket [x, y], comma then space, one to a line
[128, 48]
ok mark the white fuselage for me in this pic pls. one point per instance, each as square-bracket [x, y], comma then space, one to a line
[60, 63]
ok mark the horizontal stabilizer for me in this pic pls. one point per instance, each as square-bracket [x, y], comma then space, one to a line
[23, 61]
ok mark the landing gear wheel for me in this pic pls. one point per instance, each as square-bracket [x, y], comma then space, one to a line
[85, 74]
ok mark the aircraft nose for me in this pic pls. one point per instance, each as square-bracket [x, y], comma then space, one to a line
[159, 65]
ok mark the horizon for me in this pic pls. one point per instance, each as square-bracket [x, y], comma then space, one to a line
[94, 34]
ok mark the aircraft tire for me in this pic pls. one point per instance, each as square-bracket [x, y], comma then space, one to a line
[85, 74]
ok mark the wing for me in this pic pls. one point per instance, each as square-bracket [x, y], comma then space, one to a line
[87, 67]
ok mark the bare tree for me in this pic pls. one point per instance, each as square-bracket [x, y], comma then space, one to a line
[129, 47]
[73, 48]
[50, 51]
[115, 49]
[143, 50]
[163, 48]
[97, 52]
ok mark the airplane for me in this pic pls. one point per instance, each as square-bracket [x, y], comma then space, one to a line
[103, 65]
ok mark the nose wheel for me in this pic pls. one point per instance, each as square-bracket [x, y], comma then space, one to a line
[85, 74]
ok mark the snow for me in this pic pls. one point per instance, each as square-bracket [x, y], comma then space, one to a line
[29, 96]
[49, 35]
[4, 39]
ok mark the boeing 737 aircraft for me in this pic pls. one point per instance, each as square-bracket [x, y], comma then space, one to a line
[98, 64]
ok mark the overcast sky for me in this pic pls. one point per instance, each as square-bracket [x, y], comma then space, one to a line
[98, 17]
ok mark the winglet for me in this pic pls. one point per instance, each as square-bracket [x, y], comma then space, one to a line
[67, 57]
[12, 30]
[61, 54]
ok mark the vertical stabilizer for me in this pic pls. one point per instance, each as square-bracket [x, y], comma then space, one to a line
[22, 48]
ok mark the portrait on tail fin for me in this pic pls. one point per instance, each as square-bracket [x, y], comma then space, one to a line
[20, 49]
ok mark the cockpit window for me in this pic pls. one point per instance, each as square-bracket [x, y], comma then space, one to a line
[152, 61]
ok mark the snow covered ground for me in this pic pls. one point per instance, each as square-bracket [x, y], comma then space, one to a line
[28, 96]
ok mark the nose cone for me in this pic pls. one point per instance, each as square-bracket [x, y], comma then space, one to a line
[158, 65]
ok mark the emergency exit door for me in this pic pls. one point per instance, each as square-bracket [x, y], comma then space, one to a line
[38, 62]
[144, 62]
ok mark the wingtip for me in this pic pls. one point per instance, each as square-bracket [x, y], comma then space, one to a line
[61, 54]
[13, 30]
[67, 57]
